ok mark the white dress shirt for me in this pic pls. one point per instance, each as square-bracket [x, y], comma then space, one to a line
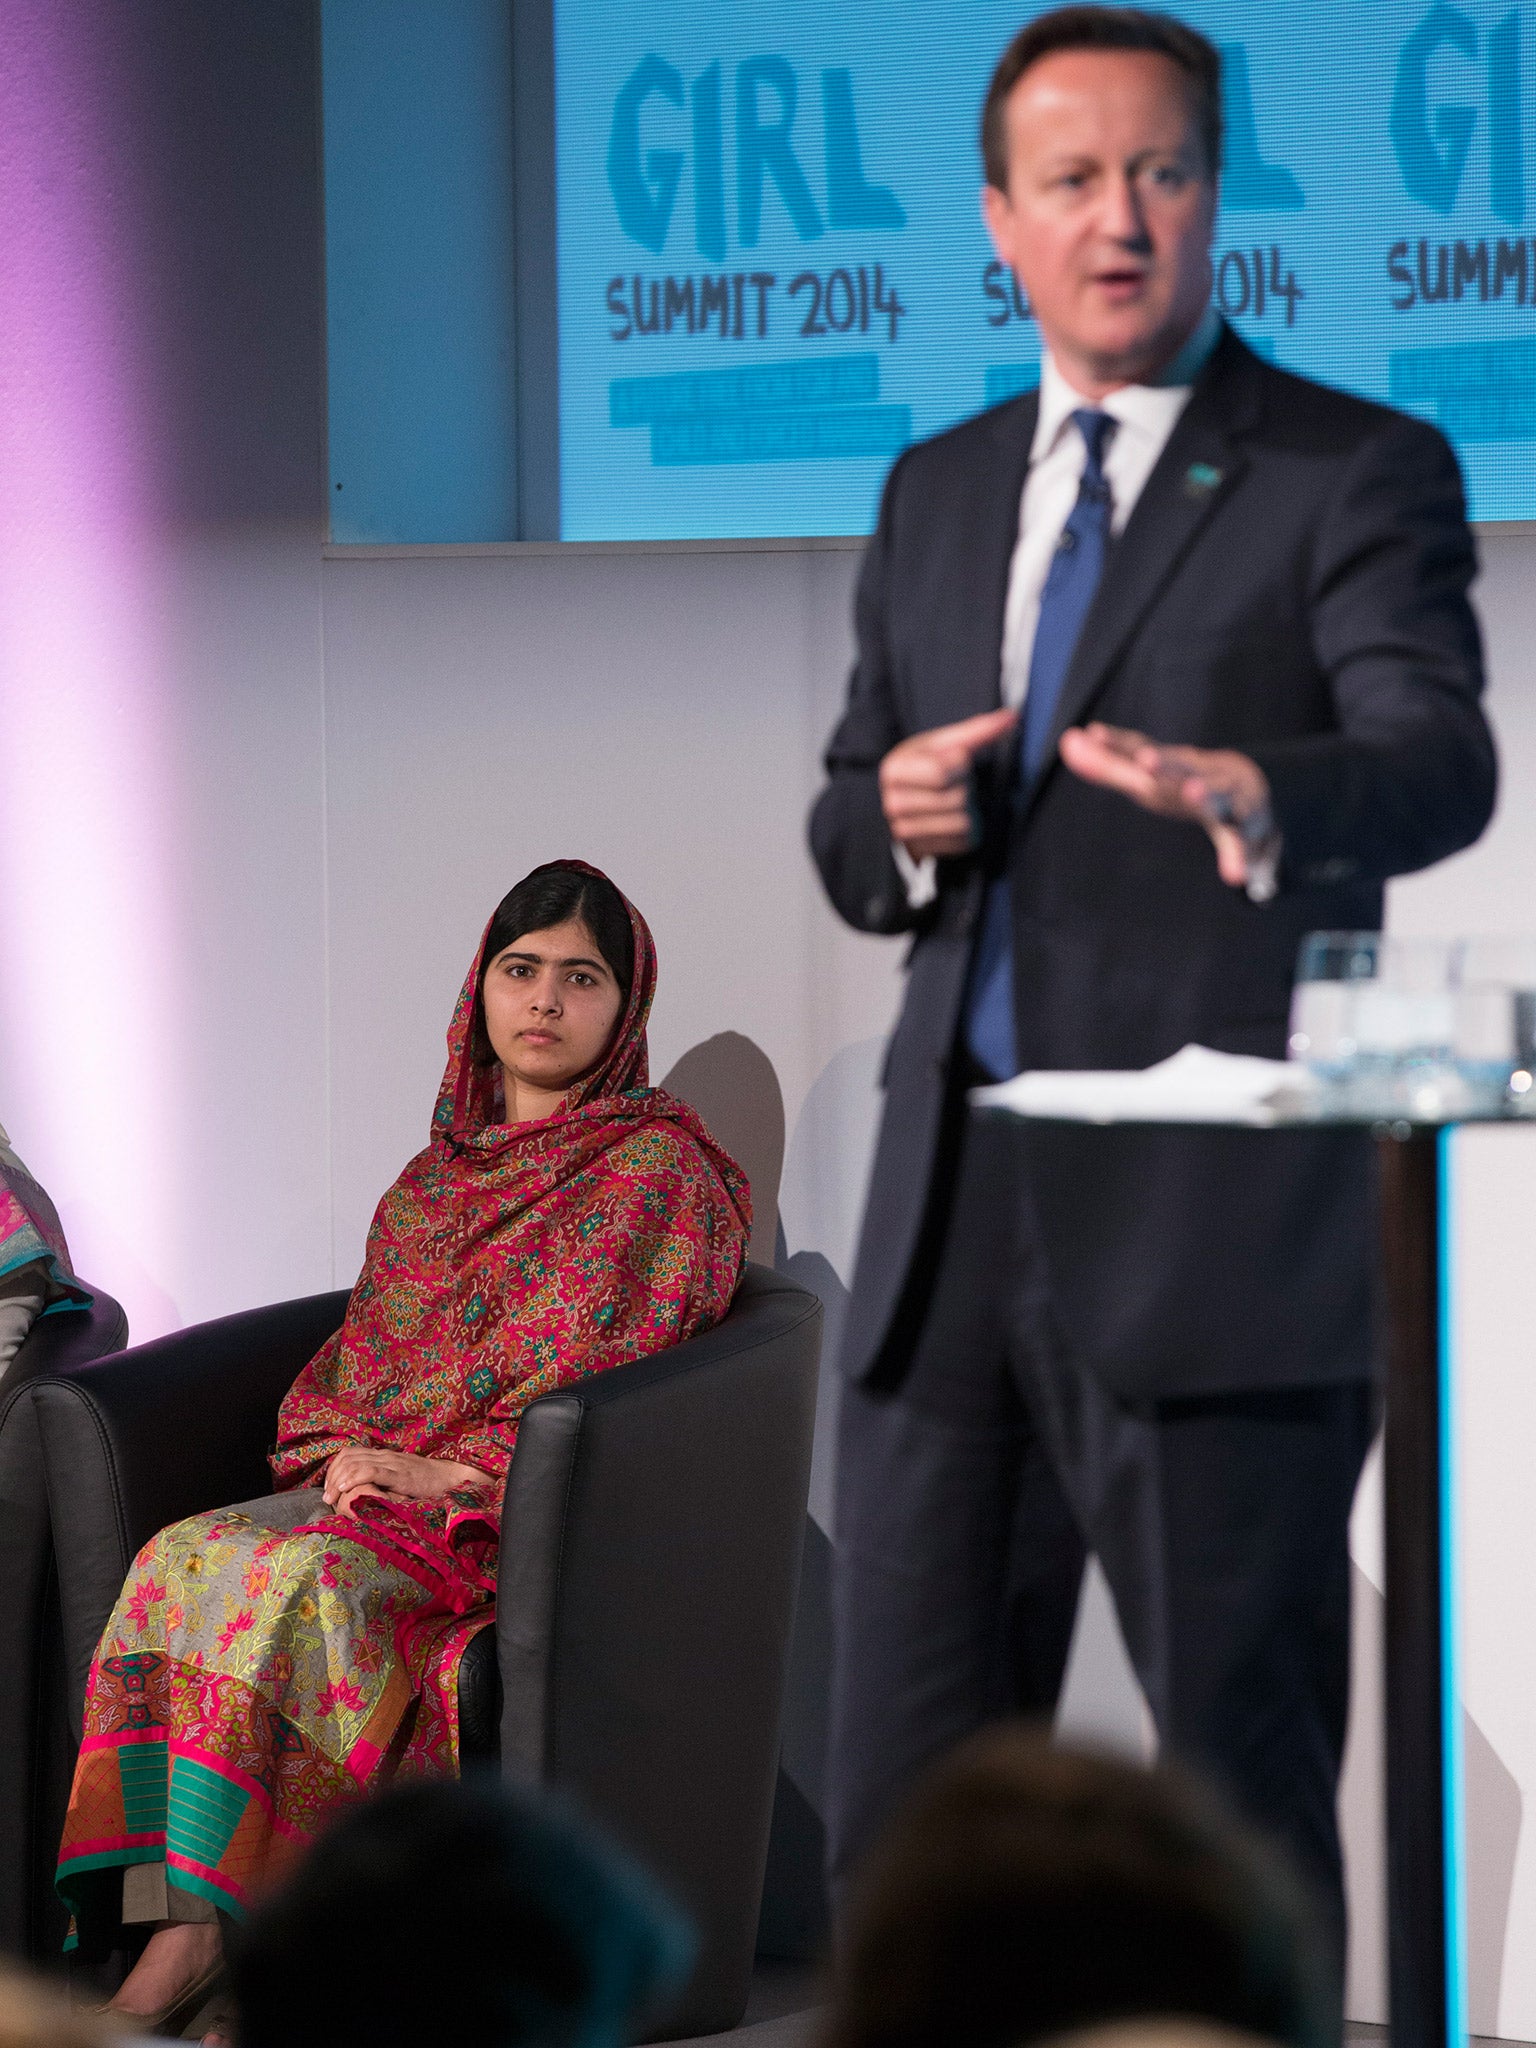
[1145, 416]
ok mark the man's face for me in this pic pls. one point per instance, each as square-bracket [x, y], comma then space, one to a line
[1108, 215]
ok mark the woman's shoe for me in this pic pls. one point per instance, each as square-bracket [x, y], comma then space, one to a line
[171, 2018]
[218, 2022]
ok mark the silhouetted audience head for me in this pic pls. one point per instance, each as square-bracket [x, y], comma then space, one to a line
[1026, 1891]
[1157, 2033]
[457, 1912]
[36, 2014]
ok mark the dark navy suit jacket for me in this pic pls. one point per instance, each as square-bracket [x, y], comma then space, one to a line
[1292, 582]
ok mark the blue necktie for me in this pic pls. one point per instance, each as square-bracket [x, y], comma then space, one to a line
[1070, 584]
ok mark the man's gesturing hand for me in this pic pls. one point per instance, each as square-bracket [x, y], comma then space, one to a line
[1213, 787]
[925, 784]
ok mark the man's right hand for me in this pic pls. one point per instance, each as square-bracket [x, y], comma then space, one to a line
[925, 784]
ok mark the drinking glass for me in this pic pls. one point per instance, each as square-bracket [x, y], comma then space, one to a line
[1419, 1027]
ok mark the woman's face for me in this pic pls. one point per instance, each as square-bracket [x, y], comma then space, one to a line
[551, 1002]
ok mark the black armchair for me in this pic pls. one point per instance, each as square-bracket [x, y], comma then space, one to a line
[35, 1752]
[645, 1601]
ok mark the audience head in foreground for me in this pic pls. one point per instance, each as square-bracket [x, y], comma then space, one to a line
[1026, 1891]
[457, 1912]
[37, 2014]
[1157, 2033]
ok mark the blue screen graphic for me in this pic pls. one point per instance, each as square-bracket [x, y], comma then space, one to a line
[773, 273]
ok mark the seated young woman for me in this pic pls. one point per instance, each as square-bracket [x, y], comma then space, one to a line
[270, 1660]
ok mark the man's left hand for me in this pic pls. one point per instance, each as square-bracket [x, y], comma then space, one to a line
[1213, 787]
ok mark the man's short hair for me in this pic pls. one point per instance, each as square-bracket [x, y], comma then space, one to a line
[1104, 28]
[1026, 1891]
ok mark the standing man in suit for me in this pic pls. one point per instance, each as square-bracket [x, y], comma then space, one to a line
[1159, 668]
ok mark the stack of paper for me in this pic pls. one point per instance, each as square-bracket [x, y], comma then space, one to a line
[1195, 1086]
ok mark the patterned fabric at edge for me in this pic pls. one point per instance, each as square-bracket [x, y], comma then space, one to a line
[32, 1235]
[267, 1661]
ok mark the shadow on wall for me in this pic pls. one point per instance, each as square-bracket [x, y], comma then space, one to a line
[1494, 1815]
[731, 1083]
[1363, 1812]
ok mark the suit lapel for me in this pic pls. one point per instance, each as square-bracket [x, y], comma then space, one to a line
[990, 530]
[1194, 476]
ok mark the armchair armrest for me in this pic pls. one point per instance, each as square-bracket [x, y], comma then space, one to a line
[165, 1430]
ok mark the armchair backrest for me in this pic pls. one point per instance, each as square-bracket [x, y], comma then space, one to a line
[650, 1560]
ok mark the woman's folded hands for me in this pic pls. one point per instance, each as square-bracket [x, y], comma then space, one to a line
[361, 1470]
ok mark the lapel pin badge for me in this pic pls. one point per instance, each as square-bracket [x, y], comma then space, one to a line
[1200, 479]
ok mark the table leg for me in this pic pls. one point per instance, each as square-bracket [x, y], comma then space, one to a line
[1425, 1907]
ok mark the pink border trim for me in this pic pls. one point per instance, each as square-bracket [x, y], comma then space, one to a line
[208, 1875]
[120, 1738]
[99, 1844]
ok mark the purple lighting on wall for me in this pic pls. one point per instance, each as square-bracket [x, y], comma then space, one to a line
[89, 1053]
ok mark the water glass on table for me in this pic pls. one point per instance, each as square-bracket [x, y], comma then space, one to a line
[1425, 1028]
